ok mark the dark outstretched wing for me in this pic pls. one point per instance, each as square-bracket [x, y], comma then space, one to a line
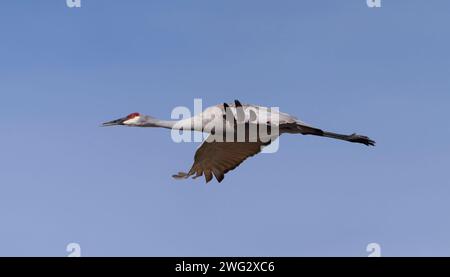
[217, 158]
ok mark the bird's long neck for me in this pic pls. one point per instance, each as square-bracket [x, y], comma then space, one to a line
[167, 124]
[184, 124]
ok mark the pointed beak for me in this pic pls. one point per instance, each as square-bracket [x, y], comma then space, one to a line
[114, 122]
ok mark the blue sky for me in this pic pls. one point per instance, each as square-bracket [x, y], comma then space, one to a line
[335, 64]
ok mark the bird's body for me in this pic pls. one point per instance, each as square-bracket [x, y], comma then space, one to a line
[236, 132]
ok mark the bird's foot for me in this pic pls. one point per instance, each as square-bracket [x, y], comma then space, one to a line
[361, 139]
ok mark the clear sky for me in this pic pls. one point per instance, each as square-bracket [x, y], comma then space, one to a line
[338, 65]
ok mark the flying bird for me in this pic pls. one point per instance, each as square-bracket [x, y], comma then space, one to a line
[226, 148]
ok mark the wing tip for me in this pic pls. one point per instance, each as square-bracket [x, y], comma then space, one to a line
[180, 176]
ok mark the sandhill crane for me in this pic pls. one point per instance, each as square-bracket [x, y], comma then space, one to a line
[216, 157]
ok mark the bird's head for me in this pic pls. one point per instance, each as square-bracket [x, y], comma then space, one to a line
[129, 120]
